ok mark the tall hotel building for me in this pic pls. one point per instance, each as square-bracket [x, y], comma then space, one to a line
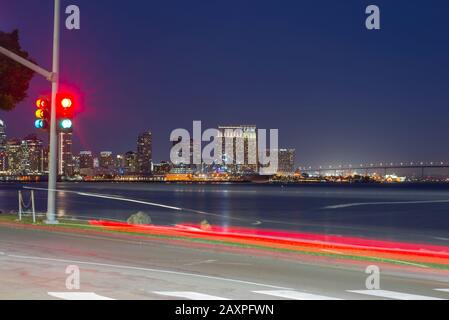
[3, 166]
[240, 137]
[65, 155]
[286, 161]
[144, 153]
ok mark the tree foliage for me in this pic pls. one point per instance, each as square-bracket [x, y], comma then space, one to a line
[14, 78]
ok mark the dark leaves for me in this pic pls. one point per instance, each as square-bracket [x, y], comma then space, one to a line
[14, 78]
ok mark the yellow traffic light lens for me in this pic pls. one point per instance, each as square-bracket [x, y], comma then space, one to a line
[40, 114]
[42, 103]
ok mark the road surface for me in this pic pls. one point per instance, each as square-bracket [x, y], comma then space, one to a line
[33, 265]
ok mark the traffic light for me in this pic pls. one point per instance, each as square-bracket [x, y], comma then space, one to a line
[42, 113]
[64, 111]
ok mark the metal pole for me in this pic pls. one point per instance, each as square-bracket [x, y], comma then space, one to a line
[51, 203]
[33, 207]
[20, 205]
[26, 63]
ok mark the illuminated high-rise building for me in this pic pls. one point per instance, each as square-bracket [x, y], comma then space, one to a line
[144, 153]
[286, 161]
[3, 162]
[14, 156]
[243, 141]
[86, 163]
[106, 160]
[65, 155]
[130, 162]
[32, 155]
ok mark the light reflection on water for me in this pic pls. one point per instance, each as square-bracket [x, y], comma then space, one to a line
[300, 208]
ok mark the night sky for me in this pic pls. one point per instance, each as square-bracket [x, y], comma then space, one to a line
[337, 92]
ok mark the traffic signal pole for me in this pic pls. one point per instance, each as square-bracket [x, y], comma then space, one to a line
[54, 78]
[53, 161]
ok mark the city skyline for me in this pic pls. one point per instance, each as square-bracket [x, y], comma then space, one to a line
[330, 165]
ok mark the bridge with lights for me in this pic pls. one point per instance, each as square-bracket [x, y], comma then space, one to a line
[385, 168]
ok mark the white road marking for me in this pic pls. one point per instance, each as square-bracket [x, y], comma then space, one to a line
[356, 204]
[393, 295]
[200, 262]
[128, 200]
[94, 195]
[148, 270]
[407, 263]
[189, 295]
[441, 238]
[78, 296]
[295, 295]
[442, 290]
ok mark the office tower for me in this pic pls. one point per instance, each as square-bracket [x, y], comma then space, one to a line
[188, 157]
[65, 155]
[119, 164]
[45, 158]
[3, 166]
[32, 155]
[239, 148]
[106, 160]
[130, 162]
[14, 156]
[144, 153]
[86, 163]
[286, 161]
[186, 165]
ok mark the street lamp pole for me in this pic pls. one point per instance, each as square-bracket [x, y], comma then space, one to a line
[53, 161]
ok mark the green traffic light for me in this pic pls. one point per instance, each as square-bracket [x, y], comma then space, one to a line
[66, 124]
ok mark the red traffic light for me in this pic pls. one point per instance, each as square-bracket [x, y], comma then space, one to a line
[64, 106]
[66, 103]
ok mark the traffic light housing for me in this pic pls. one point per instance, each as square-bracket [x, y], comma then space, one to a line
[64, 112]
[42, 114]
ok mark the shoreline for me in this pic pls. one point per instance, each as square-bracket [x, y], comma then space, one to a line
[246, 182]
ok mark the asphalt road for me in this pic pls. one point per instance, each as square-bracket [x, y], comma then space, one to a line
[33, 265]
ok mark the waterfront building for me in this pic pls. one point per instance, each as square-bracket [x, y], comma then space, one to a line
[106, 160]
[65, 155]
[144, 153]
[3, 162]
[14, 156]
[162, 168]
[242, 140]
[86, 163]
[119, 164]
[130, 163]
[286, 161]
[32, 155]
[187, 163]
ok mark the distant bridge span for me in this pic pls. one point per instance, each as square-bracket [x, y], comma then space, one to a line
[381, 167]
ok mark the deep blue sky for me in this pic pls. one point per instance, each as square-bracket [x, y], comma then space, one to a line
[337, 92]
